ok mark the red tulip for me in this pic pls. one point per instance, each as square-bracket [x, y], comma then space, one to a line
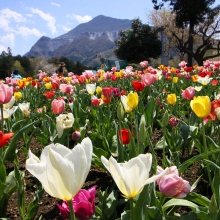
[137, 85]
[188, 93]
[49, 94]
[5, 138]
[124, 135]
[107, 92]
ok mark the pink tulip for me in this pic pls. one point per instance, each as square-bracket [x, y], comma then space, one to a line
[144, 64]
[172, 184]
[66, 88]
[182, 64]
[148, 79]
[58, 106]
[6, 93]
[188, 93]
[83, 204]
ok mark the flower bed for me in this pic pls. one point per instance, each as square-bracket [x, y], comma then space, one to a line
[153, 134]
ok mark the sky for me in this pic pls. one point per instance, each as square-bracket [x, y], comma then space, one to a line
[22, 23]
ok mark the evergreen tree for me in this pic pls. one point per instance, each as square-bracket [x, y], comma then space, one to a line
[138, 43]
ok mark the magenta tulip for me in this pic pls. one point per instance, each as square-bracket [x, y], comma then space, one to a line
[6, 93]
[172, 184]
[58, 106]
[84, 203]
[188, 93]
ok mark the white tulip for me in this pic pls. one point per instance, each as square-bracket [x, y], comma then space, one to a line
[10, 103]
[91, 88]
[64, 121]
[61, 171]
[7, 112]
[124, 102]
[131, 176]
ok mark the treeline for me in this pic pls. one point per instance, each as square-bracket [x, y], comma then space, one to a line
[30, 66]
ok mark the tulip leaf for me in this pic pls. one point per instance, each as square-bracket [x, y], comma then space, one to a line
[198, 198]
[9, 153]
[179, 202]
[2, 171]
[11, 185]
[150, 112]
[194, 159]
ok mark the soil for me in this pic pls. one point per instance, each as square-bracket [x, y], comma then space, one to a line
[48, 209]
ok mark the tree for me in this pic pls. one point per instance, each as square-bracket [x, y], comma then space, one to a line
[189, 14]
[138, 43]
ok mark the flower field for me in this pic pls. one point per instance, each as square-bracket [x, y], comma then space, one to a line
[130, 144]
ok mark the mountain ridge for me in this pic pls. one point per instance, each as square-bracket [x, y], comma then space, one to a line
[84, 41]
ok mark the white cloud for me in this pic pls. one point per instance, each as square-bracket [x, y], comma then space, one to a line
[2, 48]
[48, 18]
[55, 4]
[29, 15]
[8, 40]
[79, 18]
[25, 31]
[66, 28]
[7, 16]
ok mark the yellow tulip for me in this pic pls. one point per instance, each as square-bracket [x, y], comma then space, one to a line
[48, 85]
[98, 90]
[175, 79]
[171, 99]
[18, 95]
[132, 100]
[201, 106]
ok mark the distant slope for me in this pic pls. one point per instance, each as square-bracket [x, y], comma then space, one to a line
[83, 42]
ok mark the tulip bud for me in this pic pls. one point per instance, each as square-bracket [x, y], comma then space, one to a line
[173, 122]
[165, 119]
[213, 205]
[142, 130]
[120, 112]
[76, 135]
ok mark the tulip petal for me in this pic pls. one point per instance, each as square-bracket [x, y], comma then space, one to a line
[155, 177]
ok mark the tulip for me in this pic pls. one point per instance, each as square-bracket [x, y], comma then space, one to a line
[107, 92]
[76, 135]
[173, 122]
[49, 94]
[171, 184]
[144, 64]
[175, 79]
[5, 138]
[124, 135]
[24, 107]
[61, 171]
[7, 112]
[137, 85]
[148, 79]
[66, 88]
[18, 95]
[201, 106]
[188, 93]
[83, 204]
[131, 176]
[98, 90]
[58, 106]
[48, 85]
[91, 88]
[10, 103]
[6, 93]
[171, 99]
[64, 121]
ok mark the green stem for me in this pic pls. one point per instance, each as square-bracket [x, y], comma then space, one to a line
[206, 151]
[72, 214]
[2, 119]
[131, 209]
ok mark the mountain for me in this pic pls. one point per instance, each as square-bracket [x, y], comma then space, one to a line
[84, 42]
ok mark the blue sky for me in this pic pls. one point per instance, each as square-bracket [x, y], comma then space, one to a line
[22, 23]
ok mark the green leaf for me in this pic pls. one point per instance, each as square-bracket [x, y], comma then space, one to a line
[9, 153]
[198, 198]
[2, 171]
[194, 159]
[11, 185]
[179, 202]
